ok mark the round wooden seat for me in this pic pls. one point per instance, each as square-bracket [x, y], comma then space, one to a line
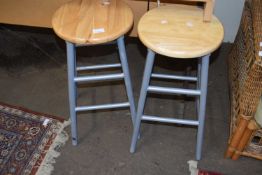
[179, 31]
[91, 21]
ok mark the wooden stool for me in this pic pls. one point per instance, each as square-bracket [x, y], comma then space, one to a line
[91, 22]
[177, 31]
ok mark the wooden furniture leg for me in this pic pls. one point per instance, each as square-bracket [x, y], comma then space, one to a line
[208, 8]
[236, 137]
[252, 126]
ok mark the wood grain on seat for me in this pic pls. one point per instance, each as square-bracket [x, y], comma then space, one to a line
[179, 31]
[90, 21]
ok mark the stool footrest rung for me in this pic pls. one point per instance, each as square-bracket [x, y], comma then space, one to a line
[99, 77]
[173, 77]
[168, 90]
[95, 67]
[101, 107]
[170, 120]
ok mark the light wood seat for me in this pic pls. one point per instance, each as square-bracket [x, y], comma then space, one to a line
[91, 21]
[179, 31]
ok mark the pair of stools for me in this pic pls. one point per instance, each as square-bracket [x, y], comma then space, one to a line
[176, 31]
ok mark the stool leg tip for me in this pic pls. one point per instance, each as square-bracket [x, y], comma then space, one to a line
[229, 152]
[198, 157]
[132, 150]
[74, 142]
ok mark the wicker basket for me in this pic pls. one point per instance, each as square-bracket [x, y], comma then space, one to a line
[245, 74]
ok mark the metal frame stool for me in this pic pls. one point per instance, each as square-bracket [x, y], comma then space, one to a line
[89, 23]
[177, 31]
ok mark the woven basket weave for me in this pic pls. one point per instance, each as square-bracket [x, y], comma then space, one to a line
[245, 73]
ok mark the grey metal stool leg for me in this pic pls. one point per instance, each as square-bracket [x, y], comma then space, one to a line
[128, 84]
[198, 83]
[202, 104]
[142, 97]
[71, 60]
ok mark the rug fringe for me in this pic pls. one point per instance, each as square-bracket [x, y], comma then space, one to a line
[46, 167]
[193, 167]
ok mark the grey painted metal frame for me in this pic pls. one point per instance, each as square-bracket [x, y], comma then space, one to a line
[158, 89]
[173, 77]
[73, 79]
[170, 120]
[101, 107]
[142, 98]
[71, 70]
[103, 66]
[202, 104]
[198, 83]
[200, 91]
[99, 77]
[125, 67]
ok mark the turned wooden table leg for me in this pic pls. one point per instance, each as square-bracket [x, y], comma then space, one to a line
[252, 126]
[236, 137]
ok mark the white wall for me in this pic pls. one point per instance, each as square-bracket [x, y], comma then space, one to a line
[229, 12]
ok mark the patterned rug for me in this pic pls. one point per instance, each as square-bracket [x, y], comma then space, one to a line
[29, 141]
[195, 171]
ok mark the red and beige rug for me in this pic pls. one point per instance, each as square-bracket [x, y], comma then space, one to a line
[195, 171]
[29, 141]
